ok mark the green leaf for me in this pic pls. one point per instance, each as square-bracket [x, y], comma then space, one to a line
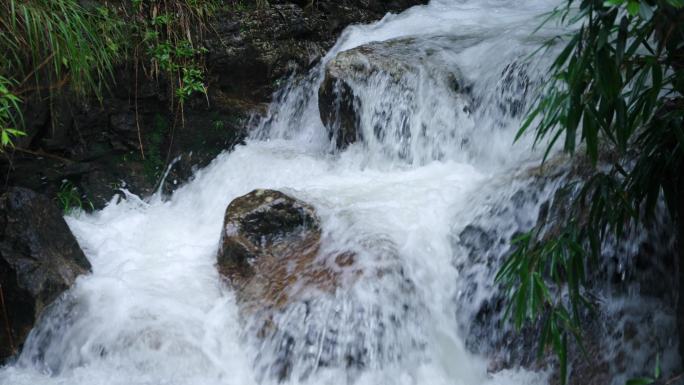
[640, 381]
[590, 133]
[15, 132]
[621, 41]
[5, 138]
[542, 287]
[616, 77]
[633, 7]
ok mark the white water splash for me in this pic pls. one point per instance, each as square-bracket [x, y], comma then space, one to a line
[154, 310]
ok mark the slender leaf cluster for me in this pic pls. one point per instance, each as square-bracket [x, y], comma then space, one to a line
[9, 118]
[71, 200]
[616, 92]
[54, 45]
[532, 297]
[49, 43]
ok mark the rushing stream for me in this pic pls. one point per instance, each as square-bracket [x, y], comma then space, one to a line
[155, 311]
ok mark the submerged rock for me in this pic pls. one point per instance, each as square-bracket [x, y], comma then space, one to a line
[634, 283]
[354, 98]
[39, 260]
[337, 106]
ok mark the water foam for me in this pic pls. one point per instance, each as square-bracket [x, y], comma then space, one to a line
[154, 310]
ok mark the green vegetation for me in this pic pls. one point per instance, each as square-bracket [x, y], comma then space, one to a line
[47, 44]
[71, 200]
[50, 46]
[70, 48]
[166, 39]
[9, 114]
[615, 93]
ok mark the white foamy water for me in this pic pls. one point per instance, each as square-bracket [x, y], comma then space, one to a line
[155, 311]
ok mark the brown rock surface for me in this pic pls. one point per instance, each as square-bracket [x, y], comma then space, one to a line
[270, 249]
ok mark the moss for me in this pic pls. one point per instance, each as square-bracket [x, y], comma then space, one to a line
[154, 162]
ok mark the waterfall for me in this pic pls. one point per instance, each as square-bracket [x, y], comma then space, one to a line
[433, 180]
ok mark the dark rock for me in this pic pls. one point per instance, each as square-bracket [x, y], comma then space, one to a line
[397, 67]
[262, 222]
[39, 260]
[296, 295]
[123, 122]
[636, 274]
[257, 46]
[337, 105]
[269, 243]
[187, 151]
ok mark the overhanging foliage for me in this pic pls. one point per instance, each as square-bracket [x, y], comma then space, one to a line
[616, 92]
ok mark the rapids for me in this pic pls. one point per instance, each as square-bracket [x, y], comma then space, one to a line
[155, 311]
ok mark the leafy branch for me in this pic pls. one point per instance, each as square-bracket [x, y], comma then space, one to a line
[615, 88]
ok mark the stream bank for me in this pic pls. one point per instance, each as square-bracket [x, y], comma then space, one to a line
[83, 151]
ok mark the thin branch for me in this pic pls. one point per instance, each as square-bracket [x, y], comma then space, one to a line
[54, 86]
[8, 330]
[41, 65]
[135, 100]
[675, 378]
[44, 154]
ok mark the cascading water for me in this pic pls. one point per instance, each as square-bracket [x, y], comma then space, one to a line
[432, 165]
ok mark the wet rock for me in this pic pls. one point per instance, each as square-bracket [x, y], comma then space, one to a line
[336, 103]
[257, 46]
[297, 297]
[188, 152]
[339, 106]
[513, 89]
[395, 67]
[39, 260]
[269, 243]
[636, 274]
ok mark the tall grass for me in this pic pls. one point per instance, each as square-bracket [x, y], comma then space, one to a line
[47, 45]
[10, 116]
[50, 43]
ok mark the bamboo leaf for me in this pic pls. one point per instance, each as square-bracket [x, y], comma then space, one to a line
[633, 7]
[640, 381]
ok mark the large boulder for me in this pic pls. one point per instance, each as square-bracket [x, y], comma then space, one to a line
[338, 103]
[374, 90]
[297, 296]
[269, 244]
[39, 260]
